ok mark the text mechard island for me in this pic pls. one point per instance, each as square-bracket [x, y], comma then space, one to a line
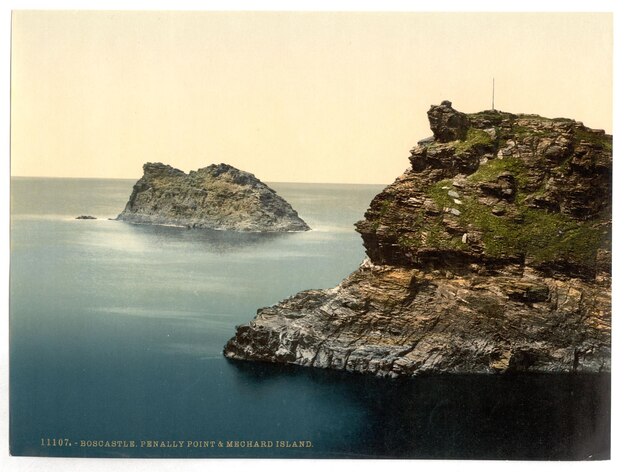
[491, 253]
[218, 197]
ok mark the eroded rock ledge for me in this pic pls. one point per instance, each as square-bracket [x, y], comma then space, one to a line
[491, 253]
[215, 197]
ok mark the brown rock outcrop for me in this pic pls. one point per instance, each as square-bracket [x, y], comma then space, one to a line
[491, 253]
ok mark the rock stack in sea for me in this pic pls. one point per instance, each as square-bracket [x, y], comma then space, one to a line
[214, 197]
[491, 253]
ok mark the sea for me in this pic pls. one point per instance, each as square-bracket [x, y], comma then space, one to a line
[117, 330]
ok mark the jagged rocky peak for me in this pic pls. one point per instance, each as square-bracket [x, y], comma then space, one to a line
[491, 253]
[214, 197]
[446, 123]
[155, 169]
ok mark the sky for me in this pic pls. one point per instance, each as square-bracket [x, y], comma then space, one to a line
[290, 97]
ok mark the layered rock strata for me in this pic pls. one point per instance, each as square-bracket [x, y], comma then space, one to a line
[215, 197]
[491, 253]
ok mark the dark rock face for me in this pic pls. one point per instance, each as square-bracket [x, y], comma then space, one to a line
[215, 197]
[492, 253]
[446, 123]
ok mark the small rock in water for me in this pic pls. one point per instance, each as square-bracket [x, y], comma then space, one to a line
[86, 217]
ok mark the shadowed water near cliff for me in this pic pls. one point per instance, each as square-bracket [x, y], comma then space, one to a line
[117, 332]
[523, 416]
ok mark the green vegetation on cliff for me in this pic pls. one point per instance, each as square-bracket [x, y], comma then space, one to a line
[497, 187]
[534, 233]
[475, 137]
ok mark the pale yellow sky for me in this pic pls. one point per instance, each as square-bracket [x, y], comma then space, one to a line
[296, 97]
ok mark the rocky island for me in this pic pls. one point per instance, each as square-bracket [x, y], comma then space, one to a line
[491, 253]
[216, 197]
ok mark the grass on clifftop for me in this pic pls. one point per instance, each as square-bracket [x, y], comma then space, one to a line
[475, 137]
[537, 234]
[493, 168]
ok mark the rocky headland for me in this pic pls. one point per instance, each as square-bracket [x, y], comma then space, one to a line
[215, 197]
[491, 253]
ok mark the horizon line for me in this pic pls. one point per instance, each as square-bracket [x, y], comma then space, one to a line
[136, 179]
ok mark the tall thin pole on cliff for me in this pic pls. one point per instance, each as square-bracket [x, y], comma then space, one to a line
[493, 93]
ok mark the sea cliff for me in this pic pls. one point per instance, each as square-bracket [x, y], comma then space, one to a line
[216, 197]
[491, 253]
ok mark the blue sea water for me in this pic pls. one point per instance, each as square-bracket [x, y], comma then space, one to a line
[117, 330]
